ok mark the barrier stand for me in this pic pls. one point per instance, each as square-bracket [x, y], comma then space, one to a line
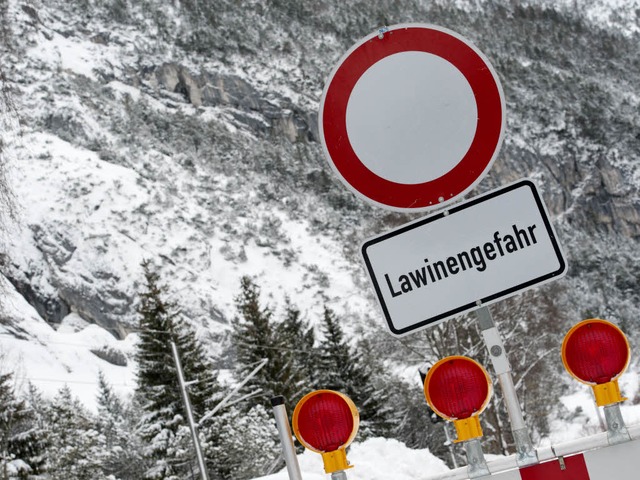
[458, 389]
[506, 465]
[326, 422]
[477, 464]
[596, 352]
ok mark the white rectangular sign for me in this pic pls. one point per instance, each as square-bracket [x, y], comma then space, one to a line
[473, 254]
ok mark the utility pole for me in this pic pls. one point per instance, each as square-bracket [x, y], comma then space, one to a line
[187, 404]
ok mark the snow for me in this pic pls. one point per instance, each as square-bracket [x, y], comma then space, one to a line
[373, 459]
[17, 466]
[589, 418]
[81, 197]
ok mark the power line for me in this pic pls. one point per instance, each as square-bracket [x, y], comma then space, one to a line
[284, 349]
[55, 380]
[54, 342]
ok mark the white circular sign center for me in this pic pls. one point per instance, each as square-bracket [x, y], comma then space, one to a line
[411, 117]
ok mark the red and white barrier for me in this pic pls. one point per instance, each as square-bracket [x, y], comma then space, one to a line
[589, 458]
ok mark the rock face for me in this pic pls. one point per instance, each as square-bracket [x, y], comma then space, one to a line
[591, 194]
[276, 116]
[51, 308]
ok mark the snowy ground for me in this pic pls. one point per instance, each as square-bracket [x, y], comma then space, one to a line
[373, 459]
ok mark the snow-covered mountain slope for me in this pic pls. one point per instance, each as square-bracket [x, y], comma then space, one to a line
[96, 195]
[187, 135]
[87, 220]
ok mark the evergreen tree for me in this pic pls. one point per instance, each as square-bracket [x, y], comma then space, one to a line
[37, 441]
[158, 390]
[120, 450]
[356, 372]
[18, 436]
[418, 427]
[157, 386]
[204, 391]
[110, 408]
[74, 448]
[370, 390]
[249, 448]
[298, 342]
[335, 368]
[256, 337]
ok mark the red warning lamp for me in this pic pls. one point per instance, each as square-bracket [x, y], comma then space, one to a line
[326, 422]
[458, 389]
[596, 352]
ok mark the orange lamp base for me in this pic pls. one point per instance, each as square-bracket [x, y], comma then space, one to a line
[467, 428]
[607, 393]
[335, 461]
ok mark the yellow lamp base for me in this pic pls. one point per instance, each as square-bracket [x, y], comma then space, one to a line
[467, 428]
[335, 461]
[607, 393]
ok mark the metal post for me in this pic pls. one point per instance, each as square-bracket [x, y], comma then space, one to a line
[525, 454]
[423, 370]
[286, 439]
[450, 444]
[187, 404]
[616, 429]
[475, 458]
[339, 475]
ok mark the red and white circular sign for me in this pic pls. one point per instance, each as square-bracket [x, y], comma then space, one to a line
[412, 117]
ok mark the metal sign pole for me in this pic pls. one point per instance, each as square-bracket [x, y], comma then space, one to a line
[525, 454]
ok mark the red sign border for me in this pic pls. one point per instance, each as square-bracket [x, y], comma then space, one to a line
[484, 148]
